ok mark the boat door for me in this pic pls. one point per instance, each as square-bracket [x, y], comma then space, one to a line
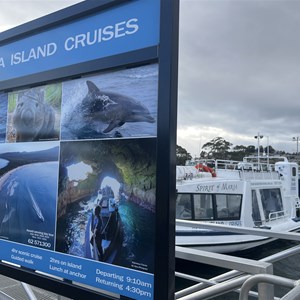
[257, 210]
[288, 172]
[267, 205]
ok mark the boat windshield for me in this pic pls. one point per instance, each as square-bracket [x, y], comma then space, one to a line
[208, 206]
[271, 202]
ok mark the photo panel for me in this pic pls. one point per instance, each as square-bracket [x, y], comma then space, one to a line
[34, 114]
[111, 182]
[3, 116]
[28, 193]
[113, 104]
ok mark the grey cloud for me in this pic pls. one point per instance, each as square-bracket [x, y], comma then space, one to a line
[16, 12]
[239, 65]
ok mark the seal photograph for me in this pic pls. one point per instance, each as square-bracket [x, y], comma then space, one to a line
[34, 114]
[111, 105]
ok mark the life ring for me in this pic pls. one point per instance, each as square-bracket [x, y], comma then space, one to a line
[204, 168]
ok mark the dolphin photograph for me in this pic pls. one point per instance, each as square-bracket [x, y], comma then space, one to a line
[114, 104]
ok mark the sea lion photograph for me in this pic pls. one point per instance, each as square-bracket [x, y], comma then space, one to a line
[111, 105]
[34, 114]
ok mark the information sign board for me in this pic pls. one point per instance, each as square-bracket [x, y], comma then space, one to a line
[80, 195]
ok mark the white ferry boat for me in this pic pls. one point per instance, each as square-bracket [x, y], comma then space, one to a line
[247, 194]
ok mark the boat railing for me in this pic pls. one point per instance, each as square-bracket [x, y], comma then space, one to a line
[272, 217]
[278, 215]
[232, 169]
[262, 175]
[254, 170]
[243, 170]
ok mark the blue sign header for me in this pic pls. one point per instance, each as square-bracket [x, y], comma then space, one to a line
[130, 26]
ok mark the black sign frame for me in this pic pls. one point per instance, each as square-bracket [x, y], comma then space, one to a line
[166, 54]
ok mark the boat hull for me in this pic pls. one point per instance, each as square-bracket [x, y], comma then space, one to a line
[110, 243]
[224, 241]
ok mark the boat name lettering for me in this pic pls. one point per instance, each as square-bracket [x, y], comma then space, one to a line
[235, 223]
[217, 188]
[205, 188]
[229, 187]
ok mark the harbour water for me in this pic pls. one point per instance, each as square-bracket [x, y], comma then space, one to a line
[287, 268]
[3, 163]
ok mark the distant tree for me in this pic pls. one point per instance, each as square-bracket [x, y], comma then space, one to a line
[217, 148]
[250, 150]
[240, 151]
[280, 152]
[271, 150]
[182, 156]
[203, 154]
[240, 148]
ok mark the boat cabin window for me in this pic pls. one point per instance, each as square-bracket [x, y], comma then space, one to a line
[208, 206]
[184, 207]
[228, 206]
[203, 206]
[272, 202]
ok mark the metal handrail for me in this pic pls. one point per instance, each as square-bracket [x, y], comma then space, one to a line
[294, 294]
[28, 291]
[234, 273]
[216, 290]
[225, 261]
[265, 278]
[221, 284]
[4, 296]
[203, 283]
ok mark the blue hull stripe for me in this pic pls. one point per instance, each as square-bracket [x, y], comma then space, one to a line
[205, 233]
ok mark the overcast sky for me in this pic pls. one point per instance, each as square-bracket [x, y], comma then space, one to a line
[239, 72]
[239, 68]
[16, 12]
